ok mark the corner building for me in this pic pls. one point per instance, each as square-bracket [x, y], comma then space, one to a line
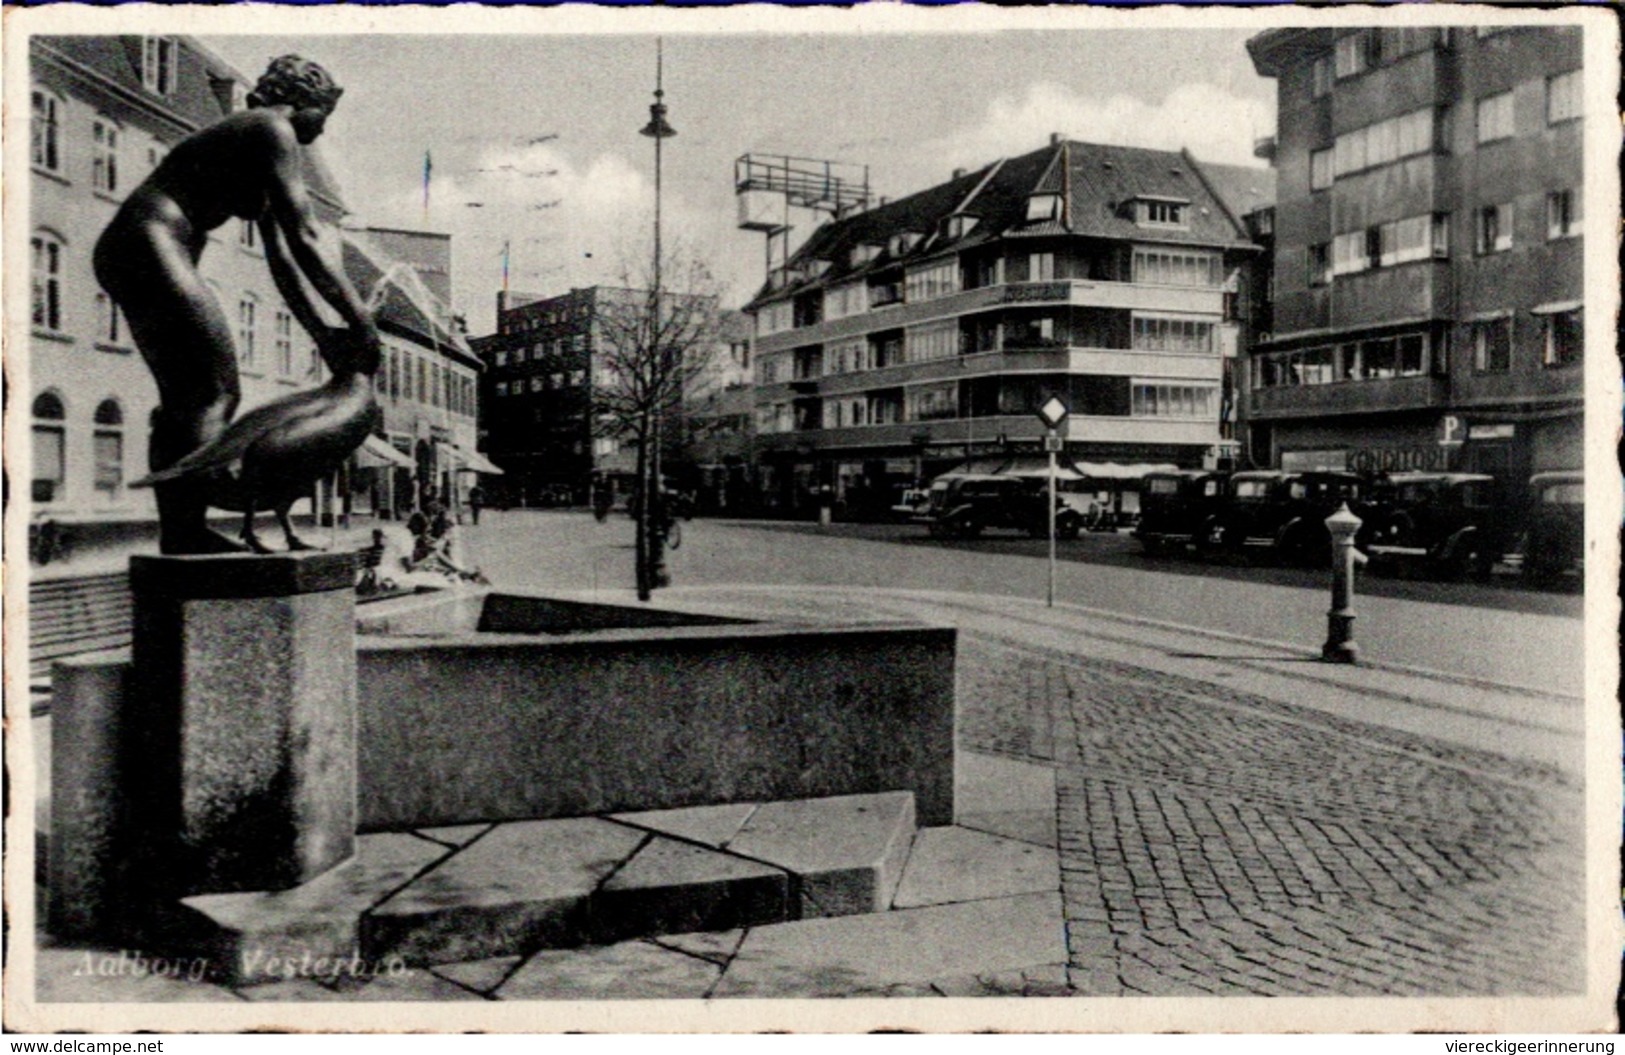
[1428, 253]
[902, 341]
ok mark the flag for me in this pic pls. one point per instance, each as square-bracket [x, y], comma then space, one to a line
[504, 268]
[428, 168]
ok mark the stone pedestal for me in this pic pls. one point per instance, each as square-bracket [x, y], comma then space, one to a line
[243, 717]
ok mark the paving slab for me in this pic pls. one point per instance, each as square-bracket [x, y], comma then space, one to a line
[455, 834]
[522, 886]
[1005, 797]
[718, 947]
[957, 864]
[838, 957]
[482, 976]
[268, 935]
[412, 984]
[711, 825]
[633, 970]
[84, 975]
[670, 887]
[846, 852]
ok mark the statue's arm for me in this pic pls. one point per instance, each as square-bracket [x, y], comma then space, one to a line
[289, 284]
[289, 209]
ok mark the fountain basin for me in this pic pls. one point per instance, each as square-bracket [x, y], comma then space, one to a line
[503, 706]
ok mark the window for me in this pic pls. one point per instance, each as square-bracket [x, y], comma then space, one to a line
[1040, 267]
[1351, 253]
[502, 358]
[935, 280]
[1162, 213]
[1565, 338]
[1441, 235]
[937, 341]
[1495, 117]
[109, 323]
[1563, 97]
[48, 447]
[283, 336]
[1320, 264]
[248, 235]
[394, 375]
[44, 132]
[1043, 207]
[1320, 169]
[1353, 54]
[104, 155]
[1405, 240]
[1322, 76]
[158, 65]
[1172, 401]
[932, 402]
[502, 387]
[851, 298]
[1493, 229]
[1384, 142]
[47, 282]
[1171, 335]
[959, 225]
[1160, 267]
[108, 446]
[1562, 214]
[1492, 345]
[247, 309]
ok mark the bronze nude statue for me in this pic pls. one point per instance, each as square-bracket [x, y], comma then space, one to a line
[246, 166]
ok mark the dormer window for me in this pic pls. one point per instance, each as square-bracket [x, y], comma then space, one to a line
[1043, 207]
[902, 242]
[863, 253]
[158, 56]
[959, 225]
[1162, 212]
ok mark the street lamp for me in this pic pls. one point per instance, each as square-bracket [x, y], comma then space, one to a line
[653, 542]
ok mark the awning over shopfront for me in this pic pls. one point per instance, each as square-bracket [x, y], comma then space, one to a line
[1557, 307]
[1115, 471]
[375, 453]
[472, 461]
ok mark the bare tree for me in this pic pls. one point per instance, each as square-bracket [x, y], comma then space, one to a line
[654, 340]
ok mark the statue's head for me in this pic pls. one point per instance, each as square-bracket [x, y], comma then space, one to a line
[301, 84]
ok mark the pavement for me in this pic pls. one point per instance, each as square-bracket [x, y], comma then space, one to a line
[1144, 808]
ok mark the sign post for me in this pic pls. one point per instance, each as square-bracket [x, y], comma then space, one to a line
[1052, 414]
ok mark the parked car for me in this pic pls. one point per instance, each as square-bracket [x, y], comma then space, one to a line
[1554, 544]
[911, 503]
[1176, 506]
[965, 506]
[1282, 513]
[1452, 525]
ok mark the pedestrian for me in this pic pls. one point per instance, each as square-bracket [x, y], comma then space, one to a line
[476, 499]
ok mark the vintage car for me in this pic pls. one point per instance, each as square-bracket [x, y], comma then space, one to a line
[1176, 507]
[1554, 543]
[1451, 525]
[963, 506]
[1282, 514]
[910, 503]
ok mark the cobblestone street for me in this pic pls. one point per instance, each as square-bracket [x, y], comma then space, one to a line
[1214, 842]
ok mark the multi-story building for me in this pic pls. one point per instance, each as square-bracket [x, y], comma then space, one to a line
[542, 366]
[720, 417]
[104, 111]
[903, 340]
[1428, 251]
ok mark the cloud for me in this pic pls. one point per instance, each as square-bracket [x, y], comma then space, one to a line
[1213, 123]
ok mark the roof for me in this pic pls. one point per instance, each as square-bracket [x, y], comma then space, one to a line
[1097, 184]
[202, 93]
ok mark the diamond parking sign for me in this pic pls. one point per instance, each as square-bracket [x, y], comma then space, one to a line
[1053, 412]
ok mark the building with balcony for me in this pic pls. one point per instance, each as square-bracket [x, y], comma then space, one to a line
[104, 111]
[1428, 255]
[904, 340]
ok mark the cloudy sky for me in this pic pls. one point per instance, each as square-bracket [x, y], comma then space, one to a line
[541, 131]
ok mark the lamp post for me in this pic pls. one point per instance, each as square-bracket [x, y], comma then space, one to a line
[651, 544]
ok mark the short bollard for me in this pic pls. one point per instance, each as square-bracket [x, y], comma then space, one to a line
[1340, 646]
